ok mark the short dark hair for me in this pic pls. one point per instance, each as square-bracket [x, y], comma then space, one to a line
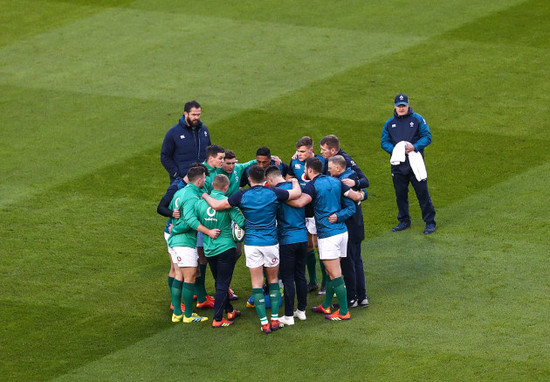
[191, 104]
[272, 170]
[256, 173]
[214, 150]
[199, 164]
[339, 160]
[219, 182]
[230, 154]
[315, 164]
[331, 141]
[264, 151]
[304, 141]
[195, 173]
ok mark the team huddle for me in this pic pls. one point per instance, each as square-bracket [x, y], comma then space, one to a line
[286, 210]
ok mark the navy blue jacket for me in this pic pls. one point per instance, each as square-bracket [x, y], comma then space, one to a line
[410, 127]
[182, 146]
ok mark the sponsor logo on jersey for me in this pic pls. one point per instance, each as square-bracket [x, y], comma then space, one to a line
[411, 124]
[393, 125]
[205, 134]
[182, 136]
[210, 211]
[297, 166]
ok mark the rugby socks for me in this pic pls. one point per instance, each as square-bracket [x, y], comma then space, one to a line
[187, 292]
[274, 298]
[311, 261]
[339, 288]
[200, 289]
[259, 303]
[327, 302]
[324, 273]
[170, 281]
[175, 295]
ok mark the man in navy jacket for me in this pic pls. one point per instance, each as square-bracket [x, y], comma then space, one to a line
[185, 143]
[408, 126]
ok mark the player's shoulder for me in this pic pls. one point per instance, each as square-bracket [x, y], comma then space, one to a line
[296, 163]
[284, 186]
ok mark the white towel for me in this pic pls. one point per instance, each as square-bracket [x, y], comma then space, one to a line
[417, 164]
[398, 153]
[415, 160]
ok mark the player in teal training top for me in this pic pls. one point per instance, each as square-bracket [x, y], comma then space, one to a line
[297, 169]
[259, 206]
[331, 208]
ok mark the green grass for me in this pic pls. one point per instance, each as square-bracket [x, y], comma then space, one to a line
[88, 90]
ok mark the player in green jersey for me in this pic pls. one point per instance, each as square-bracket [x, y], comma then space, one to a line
[213, 163]
[183, 241]
[220, 252]
[234, 171]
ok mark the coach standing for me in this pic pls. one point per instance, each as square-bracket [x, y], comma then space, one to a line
[185, 143]
[413, 132]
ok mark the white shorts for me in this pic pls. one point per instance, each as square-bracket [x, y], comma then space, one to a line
[256, 256]
[185, 257]
[170, 250]
[200, 238]
[311, 227]
[333, 247]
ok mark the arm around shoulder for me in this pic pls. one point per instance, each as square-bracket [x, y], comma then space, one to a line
[216, 204]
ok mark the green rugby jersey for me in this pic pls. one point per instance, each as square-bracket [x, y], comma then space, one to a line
[212, 219]
[236, 175]
[184, 232]
[212, 172]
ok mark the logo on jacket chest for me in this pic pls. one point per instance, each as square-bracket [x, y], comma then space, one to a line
[182, 136]
[411, 124]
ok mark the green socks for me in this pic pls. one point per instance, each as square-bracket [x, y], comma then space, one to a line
[187, 292]
[274, 298]
[324, 273]
[339, 288]
[175, 295]
[311, 260]
[328, 296]
[200, 289]
[259, 302]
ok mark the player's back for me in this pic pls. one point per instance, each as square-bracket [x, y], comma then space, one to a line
[327, 200]
[259, 207]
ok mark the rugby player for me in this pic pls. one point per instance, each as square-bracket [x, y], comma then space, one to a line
[259, 206]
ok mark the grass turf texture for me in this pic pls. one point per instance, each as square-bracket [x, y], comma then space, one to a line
[89, 89]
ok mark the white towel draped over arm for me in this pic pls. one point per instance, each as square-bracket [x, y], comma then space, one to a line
[398, 153]
[417, 164]
[415, 160]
